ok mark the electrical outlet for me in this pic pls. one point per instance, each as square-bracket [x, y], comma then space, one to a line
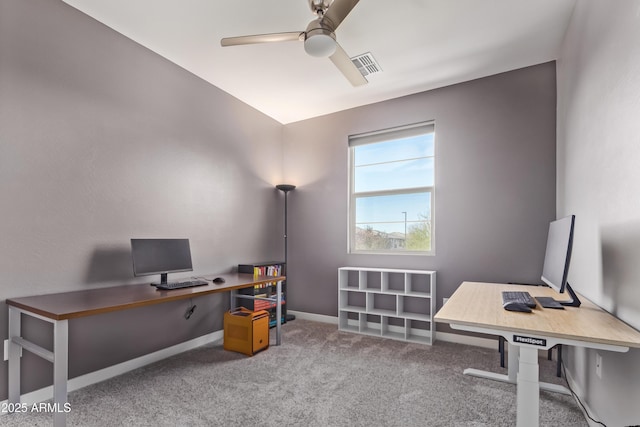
[599, 365]
[444, 300]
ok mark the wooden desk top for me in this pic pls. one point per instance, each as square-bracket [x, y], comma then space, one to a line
[69, 305]
[480, 305]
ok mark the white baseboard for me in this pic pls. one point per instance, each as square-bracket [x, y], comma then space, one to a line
[77, 383]
[582, 405]
[315, 317]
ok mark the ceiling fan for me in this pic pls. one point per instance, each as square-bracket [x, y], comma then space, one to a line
[319, 38]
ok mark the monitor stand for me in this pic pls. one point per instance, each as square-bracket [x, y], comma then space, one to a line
[548, 302]
[163, 280]
[574, 301]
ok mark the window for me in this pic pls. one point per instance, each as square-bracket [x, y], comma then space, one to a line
[391, 191]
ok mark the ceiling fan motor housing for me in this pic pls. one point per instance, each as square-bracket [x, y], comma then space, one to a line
[319, 39]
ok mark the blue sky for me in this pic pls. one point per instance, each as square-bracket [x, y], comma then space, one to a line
[400, 163]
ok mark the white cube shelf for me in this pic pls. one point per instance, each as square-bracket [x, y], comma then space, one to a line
[389, 303]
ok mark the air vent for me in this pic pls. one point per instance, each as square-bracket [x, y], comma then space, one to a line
[366, 63]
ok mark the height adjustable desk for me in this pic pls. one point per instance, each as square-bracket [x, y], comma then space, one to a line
[477, 307]
[59, 308]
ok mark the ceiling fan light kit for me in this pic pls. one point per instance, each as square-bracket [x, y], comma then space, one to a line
[320, 42]
[319, 37]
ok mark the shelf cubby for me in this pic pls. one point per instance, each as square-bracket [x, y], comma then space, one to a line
[418, 285]
[349, 280]
[370, 324]
[348, 321]
[413, 307]
[370, 282]
[353, 301]
[393, 283]
[380, 303]
[393, 327]
[419, 331]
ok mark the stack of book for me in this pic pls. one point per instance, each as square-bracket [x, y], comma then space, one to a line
[267, 270]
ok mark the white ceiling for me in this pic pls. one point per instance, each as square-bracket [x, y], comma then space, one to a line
[419, 44]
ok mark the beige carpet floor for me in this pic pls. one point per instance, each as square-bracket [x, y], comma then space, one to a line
[319, 376]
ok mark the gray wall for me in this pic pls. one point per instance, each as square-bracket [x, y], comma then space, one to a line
[598, 181]
[495, 185]
[102, 140]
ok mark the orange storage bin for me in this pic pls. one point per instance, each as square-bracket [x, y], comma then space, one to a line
[246, 331]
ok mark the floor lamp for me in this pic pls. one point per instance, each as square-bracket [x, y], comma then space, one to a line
[285, 188]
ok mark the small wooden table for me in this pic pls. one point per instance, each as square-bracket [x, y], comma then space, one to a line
[477, 307]
[59, 308]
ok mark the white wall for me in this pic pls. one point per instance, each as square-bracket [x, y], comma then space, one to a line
[598, 180]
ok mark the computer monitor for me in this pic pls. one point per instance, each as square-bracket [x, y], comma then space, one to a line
[160, 256]
[557, 258]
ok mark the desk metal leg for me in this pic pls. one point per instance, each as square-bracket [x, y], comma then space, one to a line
[14, 355]
[278, 310]
[60, 371]
[59, 358]
[512, 360]
[528, 388]
[232, 300]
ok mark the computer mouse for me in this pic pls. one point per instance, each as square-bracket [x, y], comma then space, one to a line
[516, 306]
[219, 280]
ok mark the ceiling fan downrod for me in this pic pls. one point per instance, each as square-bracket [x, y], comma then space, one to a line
[319, 7]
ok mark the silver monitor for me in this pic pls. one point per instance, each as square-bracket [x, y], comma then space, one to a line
[557, 257]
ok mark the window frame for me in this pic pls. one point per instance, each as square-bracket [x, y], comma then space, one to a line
[384, 135]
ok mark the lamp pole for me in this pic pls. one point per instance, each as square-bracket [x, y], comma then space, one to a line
[285, 188]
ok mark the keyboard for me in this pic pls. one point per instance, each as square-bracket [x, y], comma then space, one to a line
[180, 285]
[518, 296]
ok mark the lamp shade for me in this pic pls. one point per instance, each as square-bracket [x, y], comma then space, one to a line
[285, 187]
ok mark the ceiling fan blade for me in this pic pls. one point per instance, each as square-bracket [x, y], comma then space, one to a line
[341, 60]
[339, 10]
[262, 38]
